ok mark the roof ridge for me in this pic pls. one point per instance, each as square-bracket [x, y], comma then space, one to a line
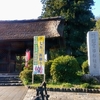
[34, 20]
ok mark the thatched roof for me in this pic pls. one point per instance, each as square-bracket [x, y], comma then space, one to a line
[27, 29]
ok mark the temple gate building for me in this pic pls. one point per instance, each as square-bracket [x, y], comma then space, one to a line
[17, 36]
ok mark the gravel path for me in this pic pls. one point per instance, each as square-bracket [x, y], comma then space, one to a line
[31, 93]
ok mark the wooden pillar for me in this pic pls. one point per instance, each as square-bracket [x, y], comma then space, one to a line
[9, 53]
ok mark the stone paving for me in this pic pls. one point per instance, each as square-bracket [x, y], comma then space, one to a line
[12, 92]
[24, 93]
[64, 95]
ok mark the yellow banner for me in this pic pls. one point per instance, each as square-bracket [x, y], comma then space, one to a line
[41, 49]
[39, 54]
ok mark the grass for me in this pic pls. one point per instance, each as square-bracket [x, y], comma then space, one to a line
[72, 83]
[67, 85]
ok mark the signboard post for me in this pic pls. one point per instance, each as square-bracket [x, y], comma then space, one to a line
[39, 56]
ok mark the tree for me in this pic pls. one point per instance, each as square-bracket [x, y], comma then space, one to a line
[97, 28]
[98, 25]
[79, 20]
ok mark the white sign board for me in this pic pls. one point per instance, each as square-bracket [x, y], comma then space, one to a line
[93, 53]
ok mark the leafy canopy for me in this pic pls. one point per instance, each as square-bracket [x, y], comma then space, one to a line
[79, 20]
[98, 25]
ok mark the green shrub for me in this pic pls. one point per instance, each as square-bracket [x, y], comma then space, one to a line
[38, 78]
[85, 85]
[81, 59]
[67, 85]
[25, 82]
[47, 69]
[30, 65]
[85, 67]
[54, 53]
[64, 68]
[26, 75]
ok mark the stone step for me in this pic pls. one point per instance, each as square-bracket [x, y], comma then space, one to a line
[10, 80]
[11, 84]
[9, 74]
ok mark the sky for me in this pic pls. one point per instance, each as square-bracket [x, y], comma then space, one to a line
[20, 9]
[28, 9]
[96, 8]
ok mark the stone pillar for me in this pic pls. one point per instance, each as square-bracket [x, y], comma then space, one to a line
[93, 53]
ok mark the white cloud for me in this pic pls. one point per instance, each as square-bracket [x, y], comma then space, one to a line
[20, 9]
